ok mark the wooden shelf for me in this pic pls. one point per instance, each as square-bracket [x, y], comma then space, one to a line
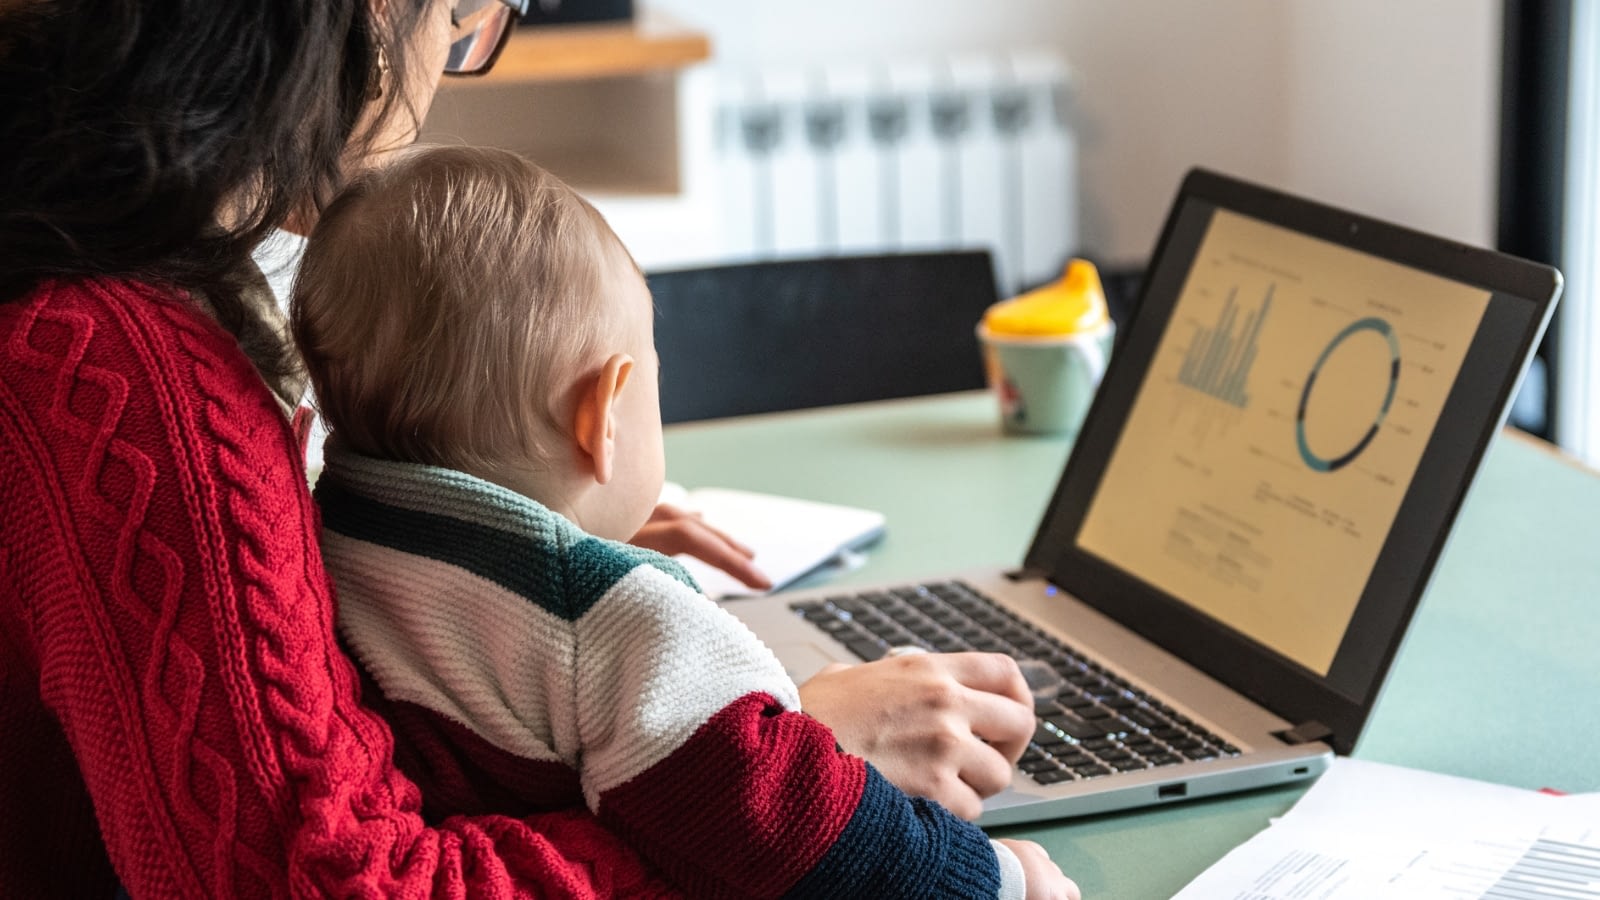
[606, 107]
[651, 42]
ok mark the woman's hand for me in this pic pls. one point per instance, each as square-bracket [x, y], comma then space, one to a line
[946, 726]
[671, 531]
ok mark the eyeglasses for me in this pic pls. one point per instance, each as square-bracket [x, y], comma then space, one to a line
[479, 30]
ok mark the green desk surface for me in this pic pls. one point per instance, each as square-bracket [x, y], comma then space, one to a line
[1507, 635]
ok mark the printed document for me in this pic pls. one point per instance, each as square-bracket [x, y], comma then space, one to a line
[1370, 831]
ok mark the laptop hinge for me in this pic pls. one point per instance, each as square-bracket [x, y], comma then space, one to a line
[1027, 574]
[1304, 733]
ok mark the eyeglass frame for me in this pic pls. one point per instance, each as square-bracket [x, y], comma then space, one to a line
[519, 8]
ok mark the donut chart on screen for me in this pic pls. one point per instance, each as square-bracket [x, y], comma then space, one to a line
[1322, 460]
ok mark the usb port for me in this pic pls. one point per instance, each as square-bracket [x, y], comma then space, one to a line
[1169, 791]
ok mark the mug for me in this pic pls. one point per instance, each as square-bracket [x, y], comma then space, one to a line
[1045, 383]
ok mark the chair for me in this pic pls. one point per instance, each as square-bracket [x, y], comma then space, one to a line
[794, 334]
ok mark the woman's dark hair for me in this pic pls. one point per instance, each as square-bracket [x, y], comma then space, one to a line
[128, 128]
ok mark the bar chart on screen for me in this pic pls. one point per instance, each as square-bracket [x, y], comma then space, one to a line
[1218, 360]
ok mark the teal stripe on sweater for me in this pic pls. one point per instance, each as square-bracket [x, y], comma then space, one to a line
[529, 550]
[433, 489]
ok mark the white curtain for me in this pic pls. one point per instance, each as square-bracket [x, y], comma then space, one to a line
[1578, 424]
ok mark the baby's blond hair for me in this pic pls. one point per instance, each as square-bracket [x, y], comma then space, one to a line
[446, 300]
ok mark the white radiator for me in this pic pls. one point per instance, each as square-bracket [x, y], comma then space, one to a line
[951, 153]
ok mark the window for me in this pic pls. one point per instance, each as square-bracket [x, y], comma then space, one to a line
[1544, 81]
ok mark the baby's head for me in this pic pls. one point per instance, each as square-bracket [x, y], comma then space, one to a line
[462, 307]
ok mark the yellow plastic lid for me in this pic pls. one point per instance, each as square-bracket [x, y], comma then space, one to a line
[1073, 304]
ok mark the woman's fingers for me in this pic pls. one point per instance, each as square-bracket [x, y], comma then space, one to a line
[999, 705]
[986, 770]
[943, 726]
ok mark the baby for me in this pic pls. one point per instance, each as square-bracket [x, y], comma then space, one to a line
[480, 344]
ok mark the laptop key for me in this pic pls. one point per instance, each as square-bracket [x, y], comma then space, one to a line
[895, 636]
[1074, 727]
[868, 650]
[1119, 725]
[1077, 727]
[1052, 776]
[851, 605]
[1091, 771]
[1032, 646]
[1144, 718]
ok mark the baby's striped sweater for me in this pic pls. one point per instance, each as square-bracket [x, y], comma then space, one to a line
[528, 666]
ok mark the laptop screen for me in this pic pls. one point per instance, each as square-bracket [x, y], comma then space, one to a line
[1287, 428]
[1278, 427]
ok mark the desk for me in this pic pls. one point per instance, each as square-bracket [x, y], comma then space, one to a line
[1509, 628]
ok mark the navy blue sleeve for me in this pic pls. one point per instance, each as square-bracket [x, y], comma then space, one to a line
[898, 846]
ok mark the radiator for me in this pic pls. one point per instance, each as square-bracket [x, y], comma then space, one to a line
[960, 152]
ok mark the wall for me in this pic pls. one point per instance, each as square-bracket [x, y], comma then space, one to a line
[1386, 107]
[1394, 110]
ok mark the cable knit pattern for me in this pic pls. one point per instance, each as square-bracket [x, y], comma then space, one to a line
[174, 710]
[496, 629]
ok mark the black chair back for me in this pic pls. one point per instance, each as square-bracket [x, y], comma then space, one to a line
[794, 334]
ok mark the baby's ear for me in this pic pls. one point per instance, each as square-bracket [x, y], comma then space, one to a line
[594, 421]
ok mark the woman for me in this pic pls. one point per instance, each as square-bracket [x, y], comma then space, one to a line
[174, 709]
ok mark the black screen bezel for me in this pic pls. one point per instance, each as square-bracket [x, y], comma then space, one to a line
[1522, 297]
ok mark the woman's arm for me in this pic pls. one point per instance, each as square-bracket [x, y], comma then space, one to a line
[182, 629]
[948, 727]
[692, 747]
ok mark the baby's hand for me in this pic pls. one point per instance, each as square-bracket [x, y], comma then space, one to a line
[671, 531]
[1045, 881]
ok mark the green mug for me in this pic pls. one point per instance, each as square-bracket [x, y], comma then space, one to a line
[1045, 383]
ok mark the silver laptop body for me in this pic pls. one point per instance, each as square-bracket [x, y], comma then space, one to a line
[1253, 506]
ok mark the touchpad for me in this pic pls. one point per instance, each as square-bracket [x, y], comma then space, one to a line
[802, 659]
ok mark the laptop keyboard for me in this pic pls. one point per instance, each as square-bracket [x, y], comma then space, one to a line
[1090, 722]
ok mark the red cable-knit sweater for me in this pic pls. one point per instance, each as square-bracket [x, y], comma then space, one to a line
[172, 702]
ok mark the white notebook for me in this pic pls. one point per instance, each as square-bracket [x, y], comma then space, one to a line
[791, 537]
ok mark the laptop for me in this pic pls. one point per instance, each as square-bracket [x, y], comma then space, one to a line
[1249, 514]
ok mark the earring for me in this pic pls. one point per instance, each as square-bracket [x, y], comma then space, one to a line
[378, 75]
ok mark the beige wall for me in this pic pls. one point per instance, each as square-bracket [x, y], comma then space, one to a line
[1394, 109]
[1386, 106]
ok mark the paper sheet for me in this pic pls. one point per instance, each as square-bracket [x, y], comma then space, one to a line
[1369, 831]
[791, 537]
